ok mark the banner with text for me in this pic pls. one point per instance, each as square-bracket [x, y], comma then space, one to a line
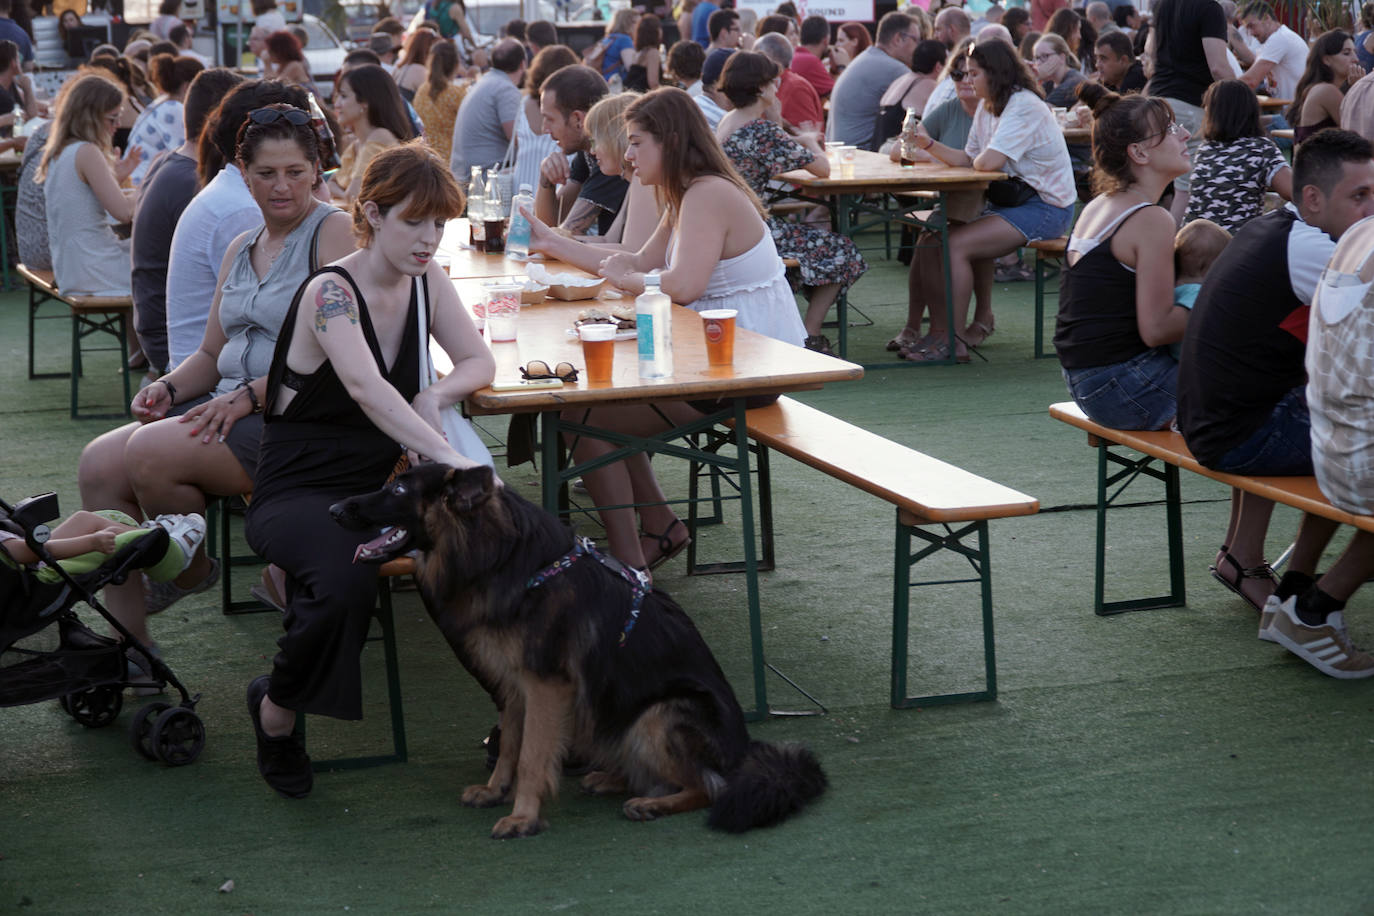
[834, 10]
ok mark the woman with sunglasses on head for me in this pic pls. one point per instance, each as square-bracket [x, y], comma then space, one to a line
[369, 106]
[342, 394]
[1014, 132]
[1116, 296]
[197, 428]
[949, 124]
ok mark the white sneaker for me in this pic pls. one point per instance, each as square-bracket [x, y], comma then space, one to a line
[1271, 607]
[1326, 648]
[188, 531]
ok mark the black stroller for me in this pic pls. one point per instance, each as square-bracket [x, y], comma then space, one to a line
[86, 672]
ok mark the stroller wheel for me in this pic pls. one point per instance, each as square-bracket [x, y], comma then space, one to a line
[141, 729]
[96, 707]
[178, 736]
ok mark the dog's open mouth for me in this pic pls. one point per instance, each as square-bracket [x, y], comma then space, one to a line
[389, 544]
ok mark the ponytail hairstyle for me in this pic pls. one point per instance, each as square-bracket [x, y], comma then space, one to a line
[172, 74]
[443, 63]
[408, 172]
[1119, 121]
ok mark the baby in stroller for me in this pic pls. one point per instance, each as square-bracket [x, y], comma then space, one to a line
[87, 538]
[45, 573]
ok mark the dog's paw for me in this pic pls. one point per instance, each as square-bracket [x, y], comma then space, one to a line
[643, 809]
[514, 826]
[599, 782]
[483, 796]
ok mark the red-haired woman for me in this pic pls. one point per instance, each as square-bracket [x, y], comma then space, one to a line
[286, 60]
[342, 393]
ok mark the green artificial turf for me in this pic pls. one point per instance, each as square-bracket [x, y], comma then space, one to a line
[1156, 762]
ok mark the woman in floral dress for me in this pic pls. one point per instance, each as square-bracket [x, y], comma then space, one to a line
[761, 149]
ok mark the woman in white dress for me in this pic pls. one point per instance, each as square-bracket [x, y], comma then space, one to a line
[728, 261]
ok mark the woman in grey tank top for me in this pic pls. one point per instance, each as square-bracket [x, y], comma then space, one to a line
[198, 427]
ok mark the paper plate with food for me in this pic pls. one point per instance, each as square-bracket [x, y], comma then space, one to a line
[622, 315]
[566, 286]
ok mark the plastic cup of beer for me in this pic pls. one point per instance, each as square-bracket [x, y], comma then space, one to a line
[719, 326]
[502, 301]
[598, 351]
[847, 156]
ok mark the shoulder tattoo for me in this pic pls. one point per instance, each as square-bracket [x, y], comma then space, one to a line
[331, 300]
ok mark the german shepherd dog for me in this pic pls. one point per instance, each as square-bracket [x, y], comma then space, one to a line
[580, 659]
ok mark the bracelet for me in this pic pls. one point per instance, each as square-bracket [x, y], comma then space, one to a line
[930, 144]
[171, 389]
[247, 386]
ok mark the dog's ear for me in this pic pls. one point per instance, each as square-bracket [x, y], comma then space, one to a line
[465, 490]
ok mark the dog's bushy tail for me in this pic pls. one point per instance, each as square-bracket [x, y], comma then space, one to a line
[773, 783]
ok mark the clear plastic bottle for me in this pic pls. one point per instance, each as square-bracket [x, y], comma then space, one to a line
[18, 120]
[477, 232]
[908, 137]
[518, 236]
[654, 321]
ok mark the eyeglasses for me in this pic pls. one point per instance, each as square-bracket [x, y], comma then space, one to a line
[538, 369]
[1041, 58]
[957, 75]
[272, 115]
[1174, 129]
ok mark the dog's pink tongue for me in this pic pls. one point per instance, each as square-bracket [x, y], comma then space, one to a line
[369, 549]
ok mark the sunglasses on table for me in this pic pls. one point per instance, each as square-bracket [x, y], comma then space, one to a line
[538, 369]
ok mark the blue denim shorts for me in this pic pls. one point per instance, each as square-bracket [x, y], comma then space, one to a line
[1037, 219]
[1140, 393]
[1282, 447]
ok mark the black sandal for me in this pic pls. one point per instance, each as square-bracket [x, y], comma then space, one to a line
[666, 548]
[1262, 571]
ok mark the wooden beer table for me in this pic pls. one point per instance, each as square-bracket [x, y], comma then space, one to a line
[465, 263]
[762, 366]
[875, 174]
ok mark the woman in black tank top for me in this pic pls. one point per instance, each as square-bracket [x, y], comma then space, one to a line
[342, 396]
[1116, 305]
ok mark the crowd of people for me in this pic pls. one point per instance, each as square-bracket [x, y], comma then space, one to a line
[278, 244]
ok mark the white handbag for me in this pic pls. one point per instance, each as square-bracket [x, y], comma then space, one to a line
[457, 429]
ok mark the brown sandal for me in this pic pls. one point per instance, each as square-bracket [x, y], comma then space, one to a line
[907, 340]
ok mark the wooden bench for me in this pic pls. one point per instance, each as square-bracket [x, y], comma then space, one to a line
[218, 545]
[1168, 449]
[1045, 250]
[89, 315]
[927, 493]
